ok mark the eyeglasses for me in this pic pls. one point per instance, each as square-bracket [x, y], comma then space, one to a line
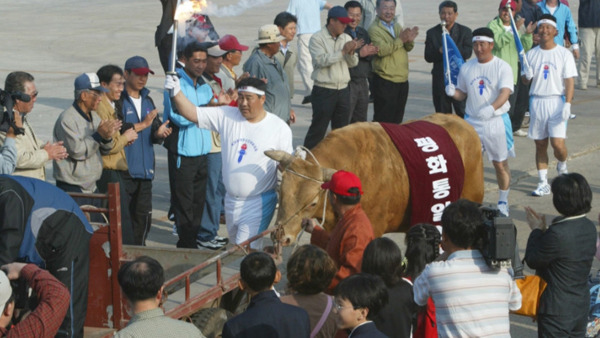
[338, 307]
[34, 94]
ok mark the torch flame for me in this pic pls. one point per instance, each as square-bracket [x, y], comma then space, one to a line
[188, 8]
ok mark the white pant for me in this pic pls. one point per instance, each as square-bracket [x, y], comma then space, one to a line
[546, 117]
[495, 135]
[305, 66]
[590, 45]
[247, 217]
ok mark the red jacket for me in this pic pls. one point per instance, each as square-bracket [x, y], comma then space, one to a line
[346, 243]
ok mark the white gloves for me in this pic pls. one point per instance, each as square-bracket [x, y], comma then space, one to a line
[486, 113]
[172, 85]
[528, 72]
[566, 111]
[450, 90]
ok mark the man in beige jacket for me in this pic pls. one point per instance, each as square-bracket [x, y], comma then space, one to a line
[32, 153]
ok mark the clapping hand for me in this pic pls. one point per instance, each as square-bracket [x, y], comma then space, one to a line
[535, 220]
[368, 50]
[409, 34]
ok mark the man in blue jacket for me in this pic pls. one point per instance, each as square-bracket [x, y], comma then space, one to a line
[42, 225]
[188, 147]
[564, 20]
[136, 108]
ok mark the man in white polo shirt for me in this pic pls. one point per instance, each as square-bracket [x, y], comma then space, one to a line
[552, 74]
[250, 177]
[487, 82]
[471, 299]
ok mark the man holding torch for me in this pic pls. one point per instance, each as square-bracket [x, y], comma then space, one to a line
[247, 130]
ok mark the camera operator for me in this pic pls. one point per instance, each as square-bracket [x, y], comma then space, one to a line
[471, 299]
[53, 301]
[8, 151]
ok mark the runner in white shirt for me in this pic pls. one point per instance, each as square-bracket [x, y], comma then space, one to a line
[486, 83]
[250, 177]
[552, 70]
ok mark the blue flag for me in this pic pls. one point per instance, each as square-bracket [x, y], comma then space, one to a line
[452, 60]
[520, 49]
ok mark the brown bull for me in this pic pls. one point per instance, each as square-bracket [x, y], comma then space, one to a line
[366, 150]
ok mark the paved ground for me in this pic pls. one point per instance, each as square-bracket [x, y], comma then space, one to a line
[57, 40]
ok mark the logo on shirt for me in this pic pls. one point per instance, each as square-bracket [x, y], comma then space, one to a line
[242, 152]
[481, 87]
[546, 71]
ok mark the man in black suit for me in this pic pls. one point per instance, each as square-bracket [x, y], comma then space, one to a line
[562, 255]
[462, 37]
[266, 316]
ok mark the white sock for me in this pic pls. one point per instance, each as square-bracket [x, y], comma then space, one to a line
[503, 196]
[543, 173]
[562, 166]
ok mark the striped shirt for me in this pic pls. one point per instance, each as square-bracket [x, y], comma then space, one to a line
[471, 299]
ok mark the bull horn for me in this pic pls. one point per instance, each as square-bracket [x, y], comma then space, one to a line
[327, 173]
[284, 158]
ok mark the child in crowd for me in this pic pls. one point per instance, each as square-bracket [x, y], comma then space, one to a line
[266, 315]
[358, 299]
[383, 258]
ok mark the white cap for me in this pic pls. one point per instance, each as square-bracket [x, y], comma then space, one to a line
[5, 289]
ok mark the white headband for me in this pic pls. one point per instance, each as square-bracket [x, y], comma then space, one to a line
[482, 38]
[548, 21]
[250, 89]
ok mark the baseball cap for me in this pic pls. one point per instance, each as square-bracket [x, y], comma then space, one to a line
[513, 4]
[215, 51]
[89, 81]
[5, 289]
[138, 65]
[230, 42]
[269, 34]
[341, 182]
[338, 12]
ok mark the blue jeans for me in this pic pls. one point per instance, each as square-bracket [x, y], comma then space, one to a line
[215, 191]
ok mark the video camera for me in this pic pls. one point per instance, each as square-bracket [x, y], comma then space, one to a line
[499, 239]
[7, 101]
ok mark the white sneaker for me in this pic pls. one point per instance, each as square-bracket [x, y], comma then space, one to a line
[520, 132]
[541, 190]
[174, 233]
[560, 172]
[503, 208]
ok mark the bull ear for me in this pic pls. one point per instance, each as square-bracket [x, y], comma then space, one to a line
[327, 173]
[284, 158]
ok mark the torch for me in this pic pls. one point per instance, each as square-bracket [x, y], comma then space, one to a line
[174, 43]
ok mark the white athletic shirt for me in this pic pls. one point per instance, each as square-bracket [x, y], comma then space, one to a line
[482, 83]
[247, 171]
[550, 68]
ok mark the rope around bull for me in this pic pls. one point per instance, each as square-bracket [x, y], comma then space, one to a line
[280, 226]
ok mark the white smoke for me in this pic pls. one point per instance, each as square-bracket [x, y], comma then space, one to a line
[232, 10]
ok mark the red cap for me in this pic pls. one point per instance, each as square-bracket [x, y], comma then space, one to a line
[230, 42]
[513, 4]
[341, 182]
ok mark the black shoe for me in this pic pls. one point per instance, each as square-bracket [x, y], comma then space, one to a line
[212, 245]
[220, 239]
[307, 99]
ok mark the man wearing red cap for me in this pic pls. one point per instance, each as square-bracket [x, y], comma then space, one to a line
[353, 232]
[234, 49]
[136, 108]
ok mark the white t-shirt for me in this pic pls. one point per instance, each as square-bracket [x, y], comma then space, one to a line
[550, 68]
[482, 82]
[138, 106]
[247, 171]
